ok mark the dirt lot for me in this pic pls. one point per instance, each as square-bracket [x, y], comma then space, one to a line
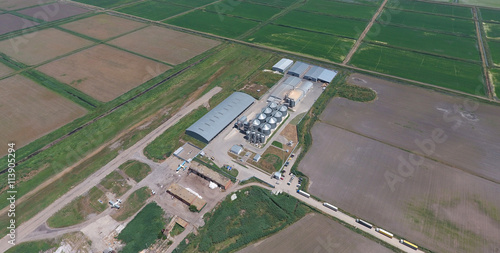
[40, 46]
[4, 70]
[315, 233]
[372, 175]
[103, 72]
[164, 44]
[54, 11]
[29, 111]
[12, 23]
[18, 4]
[103, 26]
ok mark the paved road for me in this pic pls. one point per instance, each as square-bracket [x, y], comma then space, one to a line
[31, 225]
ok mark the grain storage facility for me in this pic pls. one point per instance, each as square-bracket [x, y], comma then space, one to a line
[327, 76]
[320, 74]
[298, 69]
[283, 65]
[212, 123]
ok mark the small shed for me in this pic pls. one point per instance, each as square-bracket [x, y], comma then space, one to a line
[236, 149]
[256, 158]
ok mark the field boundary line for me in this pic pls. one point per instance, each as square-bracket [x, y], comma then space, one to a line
[188, 11]
[484, 60]
[363, 34]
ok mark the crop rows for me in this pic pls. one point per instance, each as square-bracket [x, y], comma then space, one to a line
[243, 9]
[153, 10]
[433, 8]
[340, 9]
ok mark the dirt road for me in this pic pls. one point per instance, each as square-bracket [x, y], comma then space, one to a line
[484, 61]
[363, 34]
[31, 225]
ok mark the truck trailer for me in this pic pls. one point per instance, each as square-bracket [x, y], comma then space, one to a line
[409, 244]
[303, 193]
[334, 208]
[364, 223]
[386, 233]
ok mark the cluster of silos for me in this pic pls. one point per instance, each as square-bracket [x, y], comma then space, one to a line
[267, 120]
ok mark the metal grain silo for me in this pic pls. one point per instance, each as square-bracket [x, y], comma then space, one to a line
[256, 123]
[278, 115]
[262, 117]
[273, 106]
[267, 111]
[284, 110]
[272, 121]
[265, 128]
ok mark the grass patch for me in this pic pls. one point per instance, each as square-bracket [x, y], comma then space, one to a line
[77, 210]
[153, 10]
[492, 31]
[452, 74]
[433, 8]
[165, 144]
[176, 230]
[429, 22]
[490, 15]
[356, 93]
[36, 246]
[213, 23]
[305, 42]
[135, 169]
[495, 76]
[277, 144]
[295, 121]
[255, 214]
[105, 3]
[143, 230]
[132, 204]
[494, 47]
[115, 183]
[272, 160]
[430, 42]
[243, 9]
[342, 9]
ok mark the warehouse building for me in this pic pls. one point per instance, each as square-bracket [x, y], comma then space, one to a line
[211, 176]
[298, 69]
[320, 74]
[327, 76]
[283, 89]
[283, 65]
[212, 123]
[296, 95]
[186, 196]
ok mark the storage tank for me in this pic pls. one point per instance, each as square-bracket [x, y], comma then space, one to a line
[266, 129]
[273, 106]
[278, 115]
[255, 124]
[267, 111]
[262, 139]
[261, 117]
[284, 110]
[272, 121]
[292, 103]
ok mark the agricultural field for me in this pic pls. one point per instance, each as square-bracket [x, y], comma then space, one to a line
[277, 3]
[4, 70]
[492, 30]
[19, 4]
[490, 15]
[54, 11]
[486, 3]
[444, 201]
[300, 41]
[135, 169]
[42, 46]
[447, 73]
[103, 26]
[30, 111]
[429, 22]
[495, 76]
[495, 51]
[164, 44]
[210, 22]
[322, 23]
[153, 10]
[309, 234]
[105, 3]
[243, 9]
[432, 8]
[190, 3]
[103, 72]
[342, 9]
[12, 23]
[255, 214]
[430, 42]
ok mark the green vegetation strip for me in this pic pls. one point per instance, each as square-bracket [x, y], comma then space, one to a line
[495, 74]
[153, 10]
[213, 23]
[433, 8]
[176, 230]
[36, 246]
[341, 9]
[451, 74]
[255, 214]
[277, 144]
[424, 41]
[243, 9]
[143, 230]
[135, 169]
[300, 41]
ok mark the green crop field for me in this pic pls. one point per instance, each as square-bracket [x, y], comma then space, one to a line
[435, 43]
[190, 3]
[490, 15]
[492, 30]
[243, 9]
[486, 3]
[340, 9]
[310, 43]
[279, 3]
[321, 23]
[456, 75]
[153, 10]
[435, 8]
[105, 3]
[429, 22]
[213, 23]
[495, 51]
[495, 76]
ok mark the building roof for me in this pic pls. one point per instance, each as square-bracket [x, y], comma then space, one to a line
[305, 86]
[314, 72]
[212, 123]
[214, 176]
[236, 149]
[256, 158]
[298, 68]
[327, 75]
[292, 81]
[296, 95]
[283, 64]
[186, 196]
[281, 91]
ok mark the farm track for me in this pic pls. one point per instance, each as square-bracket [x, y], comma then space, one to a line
[363, 34]
[480, 42]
